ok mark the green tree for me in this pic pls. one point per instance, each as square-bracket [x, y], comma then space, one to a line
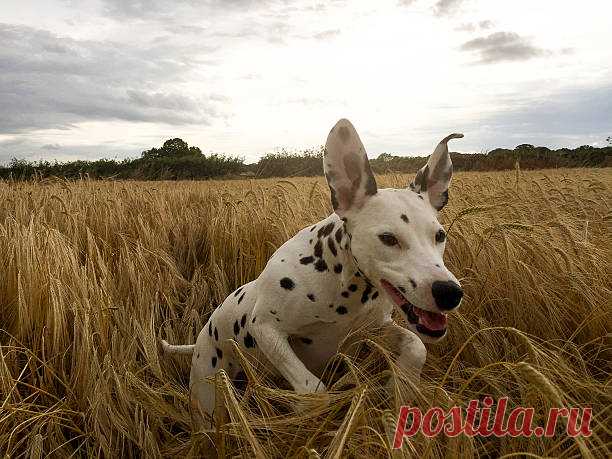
[384, 157]
[172, 148]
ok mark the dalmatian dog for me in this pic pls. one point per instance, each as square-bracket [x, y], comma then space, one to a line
[380, 249]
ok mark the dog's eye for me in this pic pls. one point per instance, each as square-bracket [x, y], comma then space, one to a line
[388, 239]
[440, 236]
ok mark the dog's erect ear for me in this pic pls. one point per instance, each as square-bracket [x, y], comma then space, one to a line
[434, 178]
[347, 169]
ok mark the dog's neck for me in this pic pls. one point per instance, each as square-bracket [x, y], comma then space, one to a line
[351, 274]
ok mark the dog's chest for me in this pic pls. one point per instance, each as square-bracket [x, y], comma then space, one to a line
[317, 338]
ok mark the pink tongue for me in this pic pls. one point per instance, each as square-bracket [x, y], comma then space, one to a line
[431, 320]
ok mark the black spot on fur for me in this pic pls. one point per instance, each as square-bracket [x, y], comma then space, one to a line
[236, 328]
[306, 340]
[214, 362]
[310, 241]
[332, 246]
[313, 228]
[420, 197]
[272, 312]
[403, 217]
[357, 274]
[237, 292]
[366, 293]
[320, 265]
[306, 260]
[341, 310]
[345, 294]
[311, 297]
[243, 320]
[282, 260]
[353, 288]
[338, 268]
[331, 305]
[326, 230]
[318, 249]
[401, 289]
[219, 353]
[198, 356]
[338, 235]
[216, 334]
[210, 328]
[241, 297]
[375, 295]
[249, 341]
[413, 283]
[287, 283]
[253, 321]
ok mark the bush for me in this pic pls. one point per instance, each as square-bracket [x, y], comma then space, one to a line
[286, 164]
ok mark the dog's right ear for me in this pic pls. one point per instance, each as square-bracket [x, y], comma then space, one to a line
[347, 169]
[434, 178]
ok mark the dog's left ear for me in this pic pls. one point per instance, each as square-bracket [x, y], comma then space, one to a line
[434, 178]
[347, 169]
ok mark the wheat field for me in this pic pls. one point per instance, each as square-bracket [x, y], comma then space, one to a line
[93, 273]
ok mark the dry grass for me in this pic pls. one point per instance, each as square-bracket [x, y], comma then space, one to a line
[93, 272]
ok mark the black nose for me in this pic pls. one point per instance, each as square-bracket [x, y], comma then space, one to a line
[447, 294]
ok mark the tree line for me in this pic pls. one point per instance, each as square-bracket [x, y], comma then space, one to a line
[176, 160]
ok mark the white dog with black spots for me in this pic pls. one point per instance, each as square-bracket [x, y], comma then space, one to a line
[380, 249]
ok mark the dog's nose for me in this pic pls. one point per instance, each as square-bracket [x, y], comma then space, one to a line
[447, 294]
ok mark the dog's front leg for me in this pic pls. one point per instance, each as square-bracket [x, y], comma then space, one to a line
[275, 346]
[410, 352]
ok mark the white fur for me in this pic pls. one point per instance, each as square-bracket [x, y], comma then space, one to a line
[297, 325]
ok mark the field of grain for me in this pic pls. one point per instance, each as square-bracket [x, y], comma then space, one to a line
[93, 273]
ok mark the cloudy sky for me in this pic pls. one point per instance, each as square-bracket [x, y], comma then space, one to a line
[108, 78]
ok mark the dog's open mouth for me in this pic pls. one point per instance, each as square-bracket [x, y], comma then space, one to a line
[427, 322]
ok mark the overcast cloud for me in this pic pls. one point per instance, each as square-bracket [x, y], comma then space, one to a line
[503, 46]
[110, 78]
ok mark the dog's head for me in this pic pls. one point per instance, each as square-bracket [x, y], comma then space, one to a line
[395, 236]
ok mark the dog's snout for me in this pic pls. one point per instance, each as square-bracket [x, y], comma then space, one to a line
[447, 294]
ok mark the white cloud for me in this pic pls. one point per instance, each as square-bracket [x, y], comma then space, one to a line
[503, 46]
[446, 7]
